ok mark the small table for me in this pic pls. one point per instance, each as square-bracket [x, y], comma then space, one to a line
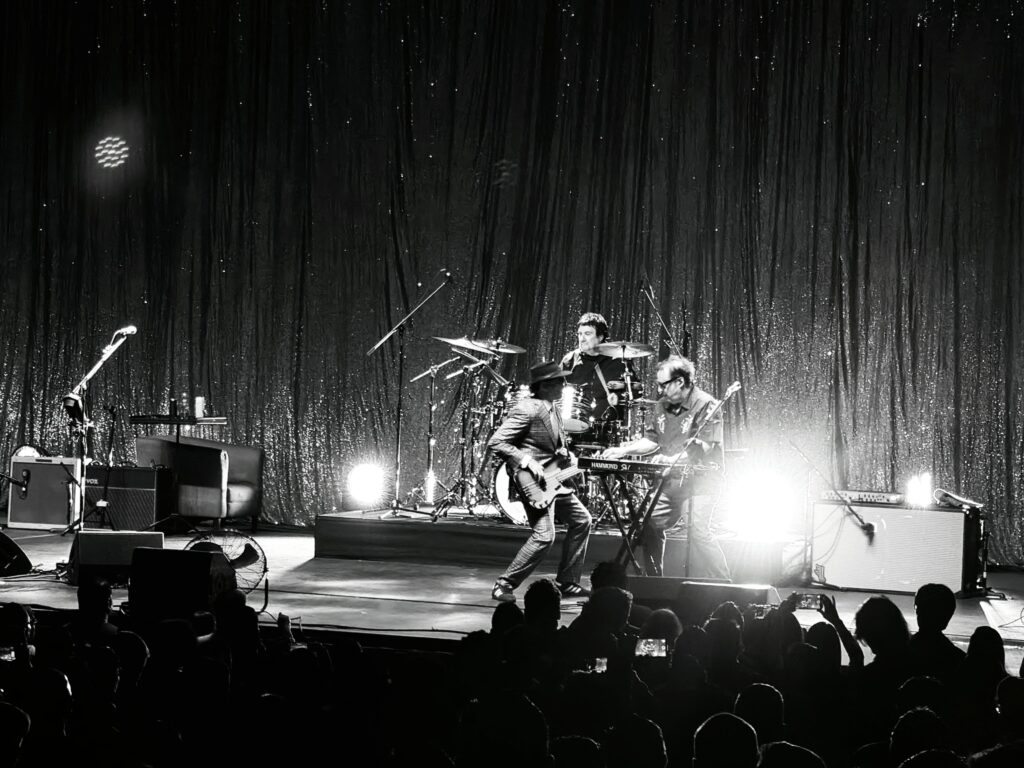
[177, 420]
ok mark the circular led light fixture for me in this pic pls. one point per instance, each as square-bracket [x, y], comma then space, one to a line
[112, 152]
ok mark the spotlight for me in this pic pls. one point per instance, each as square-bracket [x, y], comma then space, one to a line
[112, 152]
[919, 490]
[365, 485]
[760, 505]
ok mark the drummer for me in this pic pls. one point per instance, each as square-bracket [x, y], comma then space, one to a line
[599, 376]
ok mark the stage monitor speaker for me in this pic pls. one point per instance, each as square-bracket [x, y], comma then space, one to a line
[176, 583]
[693, 600]
[13, 560]
[137, 498]
[52, 498]
[107, 555]
[910, 547]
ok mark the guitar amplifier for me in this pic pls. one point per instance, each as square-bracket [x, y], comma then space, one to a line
[909, 547]
[50, 496]
[136, 497]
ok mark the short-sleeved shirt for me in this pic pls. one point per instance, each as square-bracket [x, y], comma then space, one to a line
[671, 428]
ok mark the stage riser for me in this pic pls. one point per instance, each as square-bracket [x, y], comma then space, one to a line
[492, 544]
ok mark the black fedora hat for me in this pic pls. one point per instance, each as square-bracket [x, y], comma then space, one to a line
[544, 371]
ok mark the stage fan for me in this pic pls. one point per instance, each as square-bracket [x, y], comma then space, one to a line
[245, 556]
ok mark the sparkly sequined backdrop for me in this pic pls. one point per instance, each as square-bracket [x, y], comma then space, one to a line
[826, 196]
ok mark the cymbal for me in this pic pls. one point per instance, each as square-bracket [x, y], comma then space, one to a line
[642, 401]
[497, 345]
[624, 350]
[463, 343]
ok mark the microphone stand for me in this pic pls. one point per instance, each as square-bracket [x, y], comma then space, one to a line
[866, 527]
[400, 330]
[80, 426]
[650, 297]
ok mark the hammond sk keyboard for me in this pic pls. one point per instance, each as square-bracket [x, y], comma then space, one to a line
[635, 467]
[863, 497]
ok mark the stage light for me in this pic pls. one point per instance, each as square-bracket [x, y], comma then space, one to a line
[761, 505]
[365, 486]
[919, 490]
[429, 486]
[111, 152]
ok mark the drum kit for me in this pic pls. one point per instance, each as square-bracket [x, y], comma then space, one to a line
[485, 397]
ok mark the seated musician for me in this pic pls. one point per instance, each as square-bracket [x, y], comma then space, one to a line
[532, 440]
[597, 375]
[681, 408]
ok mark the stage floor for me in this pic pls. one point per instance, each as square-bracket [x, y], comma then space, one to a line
[443, 601]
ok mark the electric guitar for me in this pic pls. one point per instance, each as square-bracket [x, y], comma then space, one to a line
[538, 498]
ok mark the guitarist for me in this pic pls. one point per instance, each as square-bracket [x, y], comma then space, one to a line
[681, 409]
[531, 442]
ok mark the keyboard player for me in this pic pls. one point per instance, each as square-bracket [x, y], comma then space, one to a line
[681, 408]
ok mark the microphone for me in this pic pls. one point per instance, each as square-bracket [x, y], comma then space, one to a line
[128, 330]
[942, 496]
[869, 531]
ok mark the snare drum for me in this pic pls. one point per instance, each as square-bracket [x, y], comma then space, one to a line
[501, 490]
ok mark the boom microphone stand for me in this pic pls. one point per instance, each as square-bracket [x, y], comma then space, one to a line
[399, 328]
[81, 425]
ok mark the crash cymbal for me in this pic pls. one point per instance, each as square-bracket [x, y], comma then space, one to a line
[463, 343]
[642, 401]
[497, 345]
[624, 350]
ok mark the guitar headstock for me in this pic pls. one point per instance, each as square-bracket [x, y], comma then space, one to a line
[732, 390]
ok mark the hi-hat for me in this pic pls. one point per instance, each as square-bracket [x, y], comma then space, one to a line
[497, 345]
[463, 343]
[624, 350]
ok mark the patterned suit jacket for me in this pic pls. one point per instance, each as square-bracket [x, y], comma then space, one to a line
[526, 431]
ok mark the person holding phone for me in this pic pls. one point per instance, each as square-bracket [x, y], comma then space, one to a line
[676, 426]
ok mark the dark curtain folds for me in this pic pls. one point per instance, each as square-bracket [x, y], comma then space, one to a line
[825, 197]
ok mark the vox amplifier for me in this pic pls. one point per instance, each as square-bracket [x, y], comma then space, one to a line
[126, 498]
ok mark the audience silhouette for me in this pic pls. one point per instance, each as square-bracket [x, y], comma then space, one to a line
[737, 688]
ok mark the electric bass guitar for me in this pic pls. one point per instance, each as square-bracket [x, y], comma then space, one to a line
[538, 498]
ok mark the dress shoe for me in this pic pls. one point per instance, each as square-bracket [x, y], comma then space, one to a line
[502, 592]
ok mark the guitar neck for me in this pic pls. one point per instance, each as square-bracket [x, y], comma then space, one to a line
[565, 474]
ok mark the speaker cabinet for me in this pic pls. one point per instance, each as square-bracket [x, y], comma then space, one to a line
[53, 496]
[692, 600]
[910, 547]
[107, 554]
[136, 497]
[176, 583]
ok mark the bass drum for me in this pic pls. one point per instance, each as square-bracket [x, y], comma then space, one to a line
[501, 487]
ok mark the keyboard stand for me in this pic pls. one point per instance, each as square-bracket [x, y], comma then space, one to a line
[618, 518]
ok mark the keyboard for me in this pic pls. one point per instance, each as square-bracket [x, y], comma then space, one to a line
[636, 467]
[863, 497]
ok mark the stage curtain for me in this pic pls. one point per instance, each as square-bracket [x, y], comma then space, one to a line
[825, 198]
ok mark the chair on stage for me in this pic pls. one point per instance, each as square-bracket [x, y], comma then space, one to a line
[214, 480]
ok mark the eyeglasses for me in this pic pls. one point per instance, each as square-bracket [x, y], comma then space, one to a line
[662, 386]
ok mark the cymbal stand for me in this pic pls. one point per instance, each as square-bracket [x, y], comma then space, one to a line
[461, 490]
[430, 481]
